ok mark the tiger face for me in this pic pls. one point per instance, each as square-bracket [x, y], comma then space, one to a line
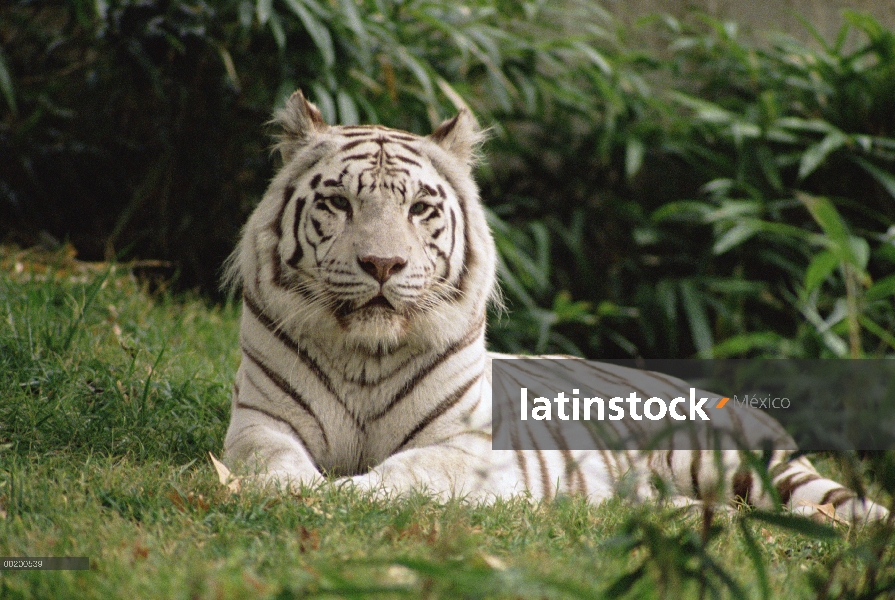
[372, 232]
[381, 240]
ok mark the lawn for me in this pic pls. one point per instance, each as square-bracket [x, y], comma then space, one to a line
[113, 394]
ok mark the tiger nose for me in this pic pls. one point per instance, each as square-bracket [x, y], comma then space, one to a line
[381, 268]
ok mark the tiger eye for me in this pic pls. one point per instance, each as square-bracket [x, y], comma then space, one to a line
[418, 208]
[340, 202]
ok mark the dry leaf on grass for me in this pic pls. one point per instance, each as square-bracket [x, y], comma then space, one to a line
[416, 531]
[226, 478]
[825, 513]
[309, 539]
[493, 562]
[139, 551]
[176, 500]
[400, 575]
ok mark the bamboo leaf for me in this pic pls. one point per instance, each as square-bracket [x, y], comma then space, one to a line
[860, 252]
[6, 87]
[276, 29]
[263, 10]
[705, 110]
[229, 67]
[348, 114]
[325, 103]
[246, 15]
[681, 210]
[812, 30]
[594, 57]
[815, 155]
[881, 289]
[790, 231]
[865, 22]
[666, 298]
[419, 71]
[768, 164]
[544, 264]
[884, 178]
[876, 330]
[798, 124]
[826, 215]
[318, 32]
[353, 18]
[741, 345]
[819, 269]
[697, 317]
[735, 236]
[634, 152]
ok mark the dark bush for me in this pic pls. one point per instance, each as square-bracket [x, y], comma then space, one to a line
[711, 196]
[726, 198]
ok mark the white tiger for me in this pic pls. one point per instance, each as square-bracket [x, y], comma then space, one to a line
[366, 271]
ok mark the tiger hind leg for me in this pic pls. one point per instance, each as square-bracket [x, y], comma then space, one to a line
[804, 491]
[706, 476]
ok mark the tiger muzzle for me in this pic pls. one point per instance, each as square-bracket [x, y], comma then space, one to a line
[381, 268]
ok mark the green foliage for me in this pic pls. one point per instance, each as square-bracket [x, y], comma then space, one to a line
[711, 197]
[795, 146]
[138, 125]
[88, 369]
[741, 204]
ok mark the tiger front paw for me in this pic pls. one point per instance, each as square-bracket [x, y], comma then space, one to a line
[369, 484]
[284, 481]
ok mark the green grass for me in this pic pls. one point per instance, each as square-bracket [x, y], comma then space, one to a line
[112, 397]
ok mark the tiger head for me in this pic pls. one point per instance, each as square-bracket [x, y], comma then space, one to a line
[370, 236]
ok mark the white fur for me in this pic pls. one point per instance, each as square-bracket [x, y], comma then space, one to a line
[313, 389]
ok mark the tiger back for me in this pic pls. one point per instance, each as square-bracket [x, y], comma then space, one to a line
[366, 272]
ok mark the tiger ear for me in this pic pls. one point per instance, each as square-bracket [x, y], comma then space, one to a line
[299, 122]
[460, 137]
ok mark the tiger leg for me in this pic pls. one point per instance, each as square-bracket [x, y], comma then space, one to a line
[451, 468]
[803, 490]
[264, 447]
[723, 478]
[465, 466]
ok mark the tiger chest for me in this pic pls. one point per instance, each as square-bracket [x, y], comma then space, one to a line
[355, 446]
